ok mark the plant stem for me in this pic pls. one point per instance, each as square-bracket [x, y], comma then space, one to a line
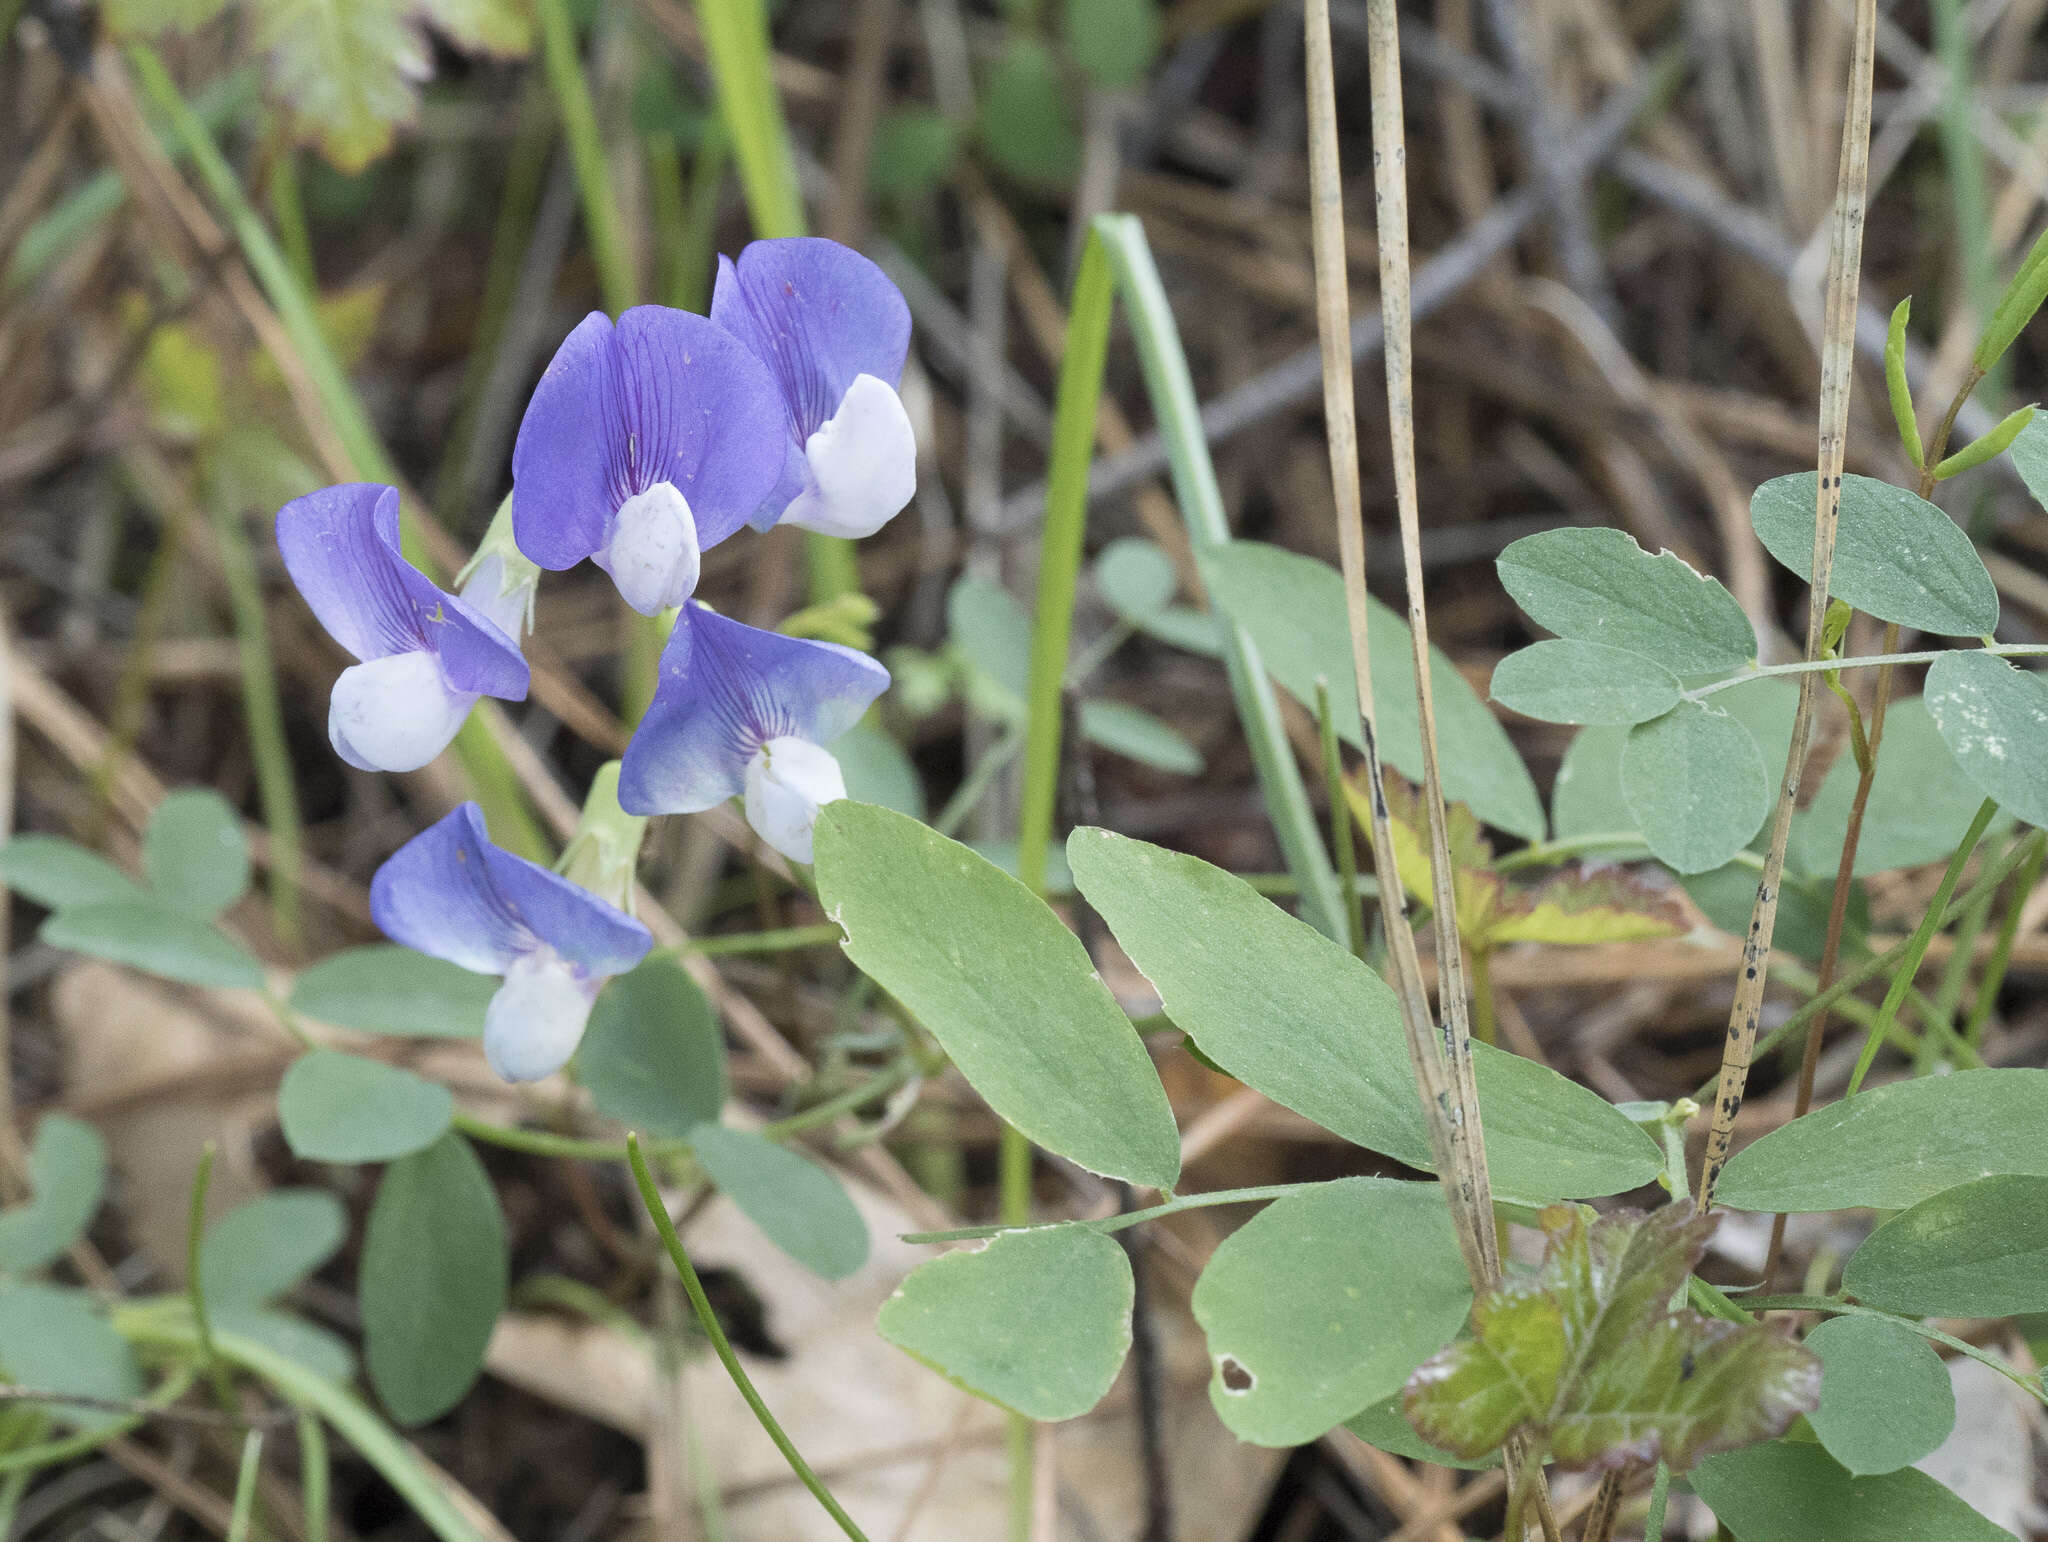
[781, 940]
[316, 1475]
[601, 221]
[195, 1285]
[2001, 951]
[1127, 1218]
[708, 1321]
[1916, 945]
[1341, 842]
[1884, 660]
[244, 1512]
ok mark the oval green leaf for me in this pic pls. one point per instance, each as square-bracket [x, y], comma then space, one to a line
[61, 874]
[384, 988]
[1885, 1398]
[1325, 1301]
[1897, 556]
[1977, 1250]
[1230, 965]
[320, 1351]
[1562, 681]
[157, 941]
[1794, 1491]
[1894, 1146]
[1136, 578]
[67, 1176]
[1994, 720]
[1003, 986]
[55, 1340]
[195, 853]
[1598, 586]
[1696, 786]
[1038, 1321]
[1138, 735]
[653, 1057]
[433, 1280]
[343, 1108]
[1585, 799]
[1295, 610]
[258, 1251]
[799, 1206]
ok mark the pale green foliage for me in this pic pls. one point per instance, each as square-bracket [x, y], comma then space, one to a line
[799, 1205]
[1587, 1360]
[1994, 719]
[384, 988]
[1598, 586]
[1793, 1491]
[1325, 1301]
[56, 1340]
[1885, 1398]
[149, 937]
[1896, 1145]
[1977, 1250]
[1038, 1321]
[1027, 123]
[195, 853]
[1697, 785]
[343, 1108]
[1003, 986]
[433, 1280]
[653, 1057]
[61, 874]
[67, 1175]
[1565, 681]
[260, 1250]
[1138, 735]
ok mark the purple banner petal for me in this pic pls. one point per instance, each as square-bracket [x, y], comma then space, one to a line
[561, 497]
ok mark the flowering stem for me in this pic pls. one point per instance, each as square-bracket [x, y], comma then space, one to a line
[708, 1320]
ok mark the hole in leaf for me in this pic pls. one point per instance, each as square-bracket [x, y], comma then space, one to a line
[1236, 1378]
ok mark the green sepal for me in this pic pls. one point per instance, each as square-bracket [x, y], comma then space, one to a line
[2016, 307]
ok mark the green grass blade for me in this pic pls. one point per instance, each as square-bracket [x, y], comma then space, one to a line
[601, 222]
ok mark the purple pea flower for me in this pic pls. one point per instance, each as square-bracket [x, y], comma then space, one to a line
[834, 331]
[425, 655]
[644, 445]
[450, 893]
[739, 710]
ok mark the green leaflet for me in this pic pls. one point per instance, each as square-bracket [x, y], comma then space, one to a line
[1038, 1321]
[1885, 1398]
[801, 1207]
[1977, 1250]
[1324, 1302]
[433, 1279]
[260, 1250]
[1026, 123]
[1563, 681]
[1598, 586]
[1294, 608]
[1135, 578]
[384, 988]
[1695, 783]
[55, 1340]
[1994, 719]
[1896, 1145]
[60, 874]
[1003, 986]
[67, 1175]
[342, 1108]
[195, 853]
[1897, 556]
[1229, 965]
[1791, 1491]
[1138, 735]
[156, 940]
[653, 1057]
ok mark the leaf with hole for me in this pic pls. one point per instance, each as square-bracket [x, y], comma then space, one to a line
[1561, 681]
[67, 1176]
[1885, 1398]
[384, 988]
[260, 1250]
[799, 1205]
[653, 1057]
[1994, 720]
[1695, 785]
[195, 853]
[1229, 965]
[61, 874]
[342, 1108]
[1893, 1146]
[433, 1279]
[1295, 610]
[1794, 1491]
[156, 940]
[1004, 987]
[1038, 1321]
[57, 1340]
[1138, 735]
[1587, 1360]
[1323, 1303]
[1599, 586]
[1897, 556]
[1977, 1250]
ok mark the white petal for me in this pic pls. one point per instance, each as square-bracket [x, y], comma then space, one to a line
[788, 780]
[863, 464]
[506, 601]
[395, 713]
[652, 555]
[536, 1019]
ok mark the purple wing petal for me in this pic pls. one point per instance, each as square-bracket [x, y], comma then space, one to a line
[475, 654]
[450, 893]
[598, 938]
[819, 314]
[435, 894]
[340, 546]
[725, 690]
[688, 404]
[560, 492]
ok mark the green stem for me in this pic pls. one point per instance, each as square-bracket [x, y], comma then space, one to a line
[195, 1285]
[1964, 157]
[51, 1453]
[1955, 978]
[601, 220]
[781, 940]
[289, 210]
[1660, 1497]
[1179, 417]
[708, 1321]
[1128, 1218]
[1916, 945]
[1544, 853]
[1341, 841]
[1864, 661]
[263, 710]
[244, 1513]
[316, 1476]
[1831, 998]
[2001, 951]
